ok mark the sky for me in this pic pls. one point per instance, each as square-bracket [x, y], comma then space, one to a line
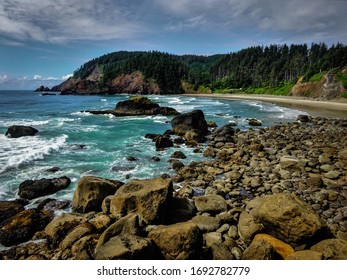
[42, 42]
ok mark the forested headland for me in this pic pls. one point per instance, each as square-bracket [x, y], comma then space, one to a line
[273, 69]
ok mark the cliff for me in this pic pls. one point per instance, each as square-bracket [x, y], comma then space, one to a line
[326, 88]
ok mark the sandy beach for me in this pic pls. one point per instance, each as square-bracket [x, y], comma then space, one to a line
[316, 108]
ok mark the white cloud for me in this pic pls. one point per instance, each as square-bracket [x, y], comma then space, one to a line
[65, 77]
[37, 77]
[64, 20]
[29, 83]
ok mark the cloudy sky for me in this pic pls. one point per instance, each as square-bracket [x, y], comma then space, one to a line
[44, 41]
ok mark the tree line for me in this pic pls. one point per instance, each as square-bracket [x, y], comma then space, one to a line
[257, 66]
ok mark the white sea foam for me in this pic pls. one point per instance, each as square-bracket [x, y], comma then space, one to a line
[23, 122]
[82, 114]
[103, 100]
[17, 151]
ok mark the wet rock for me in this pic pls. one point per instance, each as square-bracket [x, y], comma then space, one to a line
[11, 208]
[91, 191]
[30, 189]
[22, 226]
[303, 118]
[178, 154]
[254, 122]
[17, 131]
[189, 121]
[162, 142]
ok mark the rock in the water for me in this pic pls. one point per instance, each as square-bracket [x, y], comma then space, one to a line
[147, 198]
[91, 191]
[189, 121]
[254, 122]
[10, 208]
[181, 241]
[162, 142]
[30, 189]
[17, 131]
[22, 227]
[303, 118]
[178, 154]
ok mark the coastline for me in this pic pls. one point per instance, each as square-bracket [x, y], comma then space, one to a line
[315, 108]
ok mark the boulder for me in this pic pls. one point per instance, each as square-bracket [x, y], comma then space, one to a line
[59, 227]
[332, 249]
[181, 241]
[180, 209]
[137, 106]
[303, 118]
[254, 122]
[206, 223]
[162, 142]
[221, 252]
[22, 227]
[147, 198]
[194, 136]
[248, 227]
[260, 250]
[91, 191]
[31, 189]
[178, 154]
[290, 163]
[10, 208]
[305, 255]
[189, 121]
[126, 247]
[210, 203]
[17, 131]
[281, 248]
[76, 234]
[288, 218]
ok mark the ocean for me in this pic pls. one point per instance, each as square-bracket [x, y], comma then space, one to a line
[82, 144]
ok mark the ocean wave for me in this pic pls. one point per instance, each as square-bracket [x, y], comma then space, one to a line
[17, 151]
[81, 114]
[23, 122]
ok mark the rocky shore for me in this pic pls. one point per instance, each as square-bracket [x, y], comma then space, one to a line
[265, 193]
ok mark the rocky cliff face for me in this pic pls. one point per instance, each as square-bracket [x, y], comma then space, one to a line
[327, 88]
[131, 83]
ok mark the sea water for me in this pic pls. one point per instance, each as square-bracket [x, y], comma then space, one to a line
[82, 144]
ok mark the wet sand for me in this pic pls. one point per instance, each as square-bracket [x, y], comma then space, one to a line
[316, 108]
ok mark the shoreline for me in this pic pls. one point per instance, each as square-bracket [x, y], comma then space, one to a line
[315, 108]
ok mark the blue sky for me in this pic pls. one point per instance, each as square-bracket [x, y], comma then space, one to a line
[44, 41]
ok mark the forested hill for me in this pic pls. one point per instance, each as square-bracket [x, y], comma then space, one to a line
[162, 73]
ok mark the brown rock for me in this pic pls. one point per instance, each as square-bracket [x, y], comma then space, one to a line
[281, 248]
[22, 226]
[91, 191]
[181, 241]
[147, 198]
[210, 203]
[260, 250]
[332, 249]
[305, 255]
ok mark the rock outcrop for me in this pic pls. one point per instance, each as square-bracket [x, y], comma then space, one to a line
[137, 106]
[30, 189]
[17, 131]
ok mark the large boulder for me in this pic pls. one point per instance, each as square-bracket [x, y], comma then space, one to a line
[59, 227]
[126, 247]
[181, 241]
[194, 120]
[30, 189]
[10, 208]
[286, 217]
[137, 106]
[210, 203]
[147, 198]
[17, 131]
[22, 227]
[332, 249]
[91, 191]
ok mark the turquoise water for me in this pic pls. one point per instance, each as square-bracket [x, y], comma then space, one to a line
[82, 144]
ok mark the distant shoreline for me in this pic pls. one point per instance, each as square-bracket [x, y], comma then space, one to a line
[316, 108]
